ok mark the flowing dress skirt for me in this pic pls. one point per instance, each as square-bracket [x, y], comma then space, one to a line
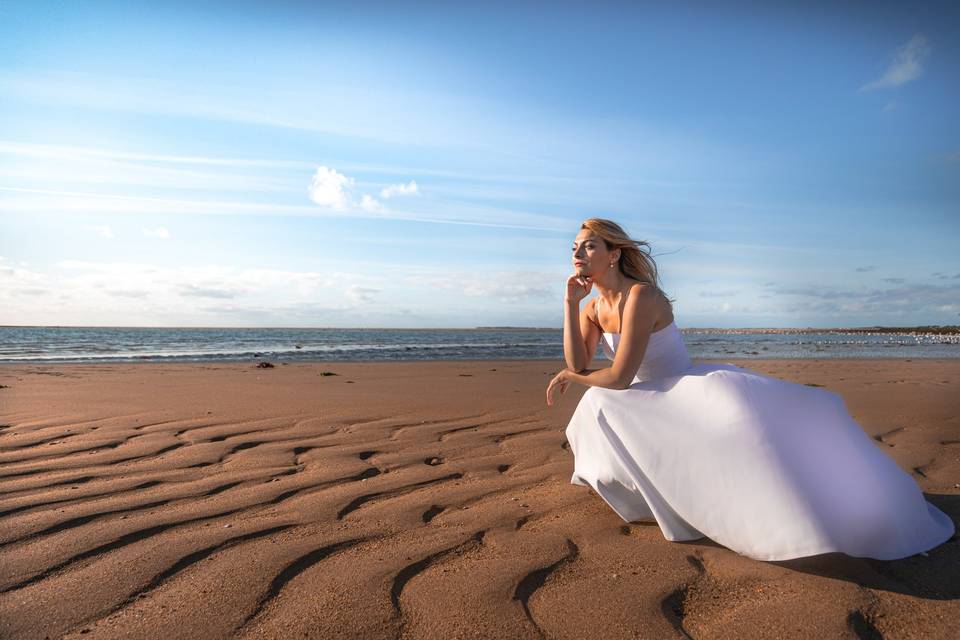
[768, 468]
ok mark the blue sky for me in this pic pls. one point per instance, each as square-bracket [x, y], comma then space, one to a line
[429, 164]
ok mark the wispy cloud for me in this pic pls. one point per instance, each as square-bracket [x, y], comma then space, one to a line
[514, 133]
[866, 268]
[458, 213]
[409, 189]
[358, 293]
[103, 231]
[76, 156]
[912, 300]
[148, 294]
[127, 293]
[508, 286]
[343, 109]
[209, 292]
[813, 292]
[160, 232]
[77, 168]
[369, 203]
[45, 200]
[61, 152]
[907, 65]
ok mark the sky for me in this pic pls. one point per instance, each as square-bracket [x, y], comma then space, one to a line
[358, 164]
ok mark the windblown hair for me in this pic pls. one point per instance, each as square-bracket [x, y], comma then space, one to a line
[636, 260]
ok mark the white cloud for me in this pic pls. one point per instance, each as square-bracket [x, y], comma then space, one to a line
[133, 293]
[128, 293]
[920, 298]
[512, 286]
[159, 232]
[907, 65]
[328, 188]
[409, 189]
[103, 231]
[13, 277]
[369, 203]
[209, 291]
[332, 189]
[358, 293]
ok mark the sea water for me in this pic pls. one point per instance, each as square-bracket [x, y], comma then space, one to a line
[118, 344]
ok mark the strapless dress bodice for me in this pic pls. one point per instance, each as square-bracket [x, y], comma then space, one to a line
[666, 353]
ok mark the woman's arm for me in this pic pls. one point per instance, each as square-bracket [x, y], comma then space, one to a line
[597, 378]
[577, 325]
[574, 349]
[639, 316]
[580, 336]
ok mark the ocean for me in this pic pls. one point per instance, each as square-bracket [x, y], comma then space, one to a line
[55, 345]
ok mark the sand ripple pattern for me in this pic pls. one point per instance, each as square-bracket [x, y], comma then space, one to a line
[402, 500]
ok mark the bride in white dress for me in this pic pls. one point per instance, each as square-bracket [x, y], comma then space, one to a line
[768, 468]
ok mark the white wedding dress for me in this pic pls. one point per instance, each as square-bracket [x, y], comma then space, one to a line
[768, 468]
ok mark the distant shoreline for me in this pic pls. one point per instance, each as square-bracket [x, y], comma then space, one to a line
[939, 330]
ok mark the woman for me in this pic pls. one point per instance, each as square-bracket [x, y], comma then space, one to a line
[768, 468]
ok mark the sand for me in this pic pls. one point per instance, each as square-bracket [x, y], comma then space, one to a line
[409, 499]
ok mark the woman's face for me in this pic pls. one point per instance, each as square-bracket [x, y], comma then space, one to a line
[590, 254]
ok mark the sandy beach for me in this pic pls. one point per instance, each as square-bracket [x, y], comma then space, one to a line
[409, 499]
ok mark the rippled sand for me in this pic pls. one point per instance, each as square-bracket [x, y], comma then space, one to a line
[422, 500]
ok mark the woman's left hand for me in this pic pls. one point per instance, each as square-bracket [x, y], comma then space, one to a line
[560, 382]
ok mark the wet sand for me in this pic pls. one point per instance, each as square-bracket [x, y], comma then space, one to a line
[409, 499]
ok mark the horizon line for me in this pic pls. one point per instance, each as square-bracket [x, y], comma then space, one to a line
[58, 326]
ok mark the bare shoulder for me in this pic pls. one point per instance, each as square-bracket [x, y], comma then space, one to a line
[645, 301]
[643, 292]
[642, 298]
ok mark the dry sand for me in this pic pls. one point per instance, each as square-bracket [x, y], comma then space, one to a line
[413, 499]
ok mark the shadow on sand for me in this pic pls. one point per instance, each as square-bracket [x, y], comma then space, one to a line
[932, 577]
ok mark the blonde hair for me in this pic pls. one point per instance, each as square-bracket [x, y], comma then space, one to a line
[636, 260]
